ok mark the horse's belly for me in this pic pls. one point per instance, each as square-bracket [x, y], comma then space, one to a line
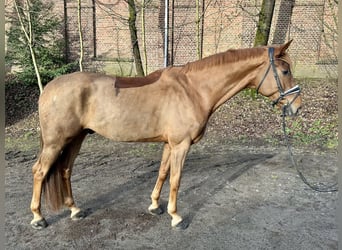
[123, 127]
[130, 135]
[135, 115]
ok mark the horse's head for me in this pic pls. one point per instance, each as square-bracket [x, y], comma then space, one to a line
[276, 80]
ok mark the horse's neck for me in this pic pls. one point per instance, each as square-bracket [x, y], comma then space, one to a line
[218, 84]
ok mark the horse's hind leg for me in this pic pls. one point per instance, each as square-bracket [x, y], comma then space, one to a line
[52, 171]
[154, 208]
[48, 156]
[68, 158]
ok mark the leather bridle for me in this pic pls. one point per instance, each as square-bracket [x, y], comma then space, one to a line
[295, 90]
[282, 93]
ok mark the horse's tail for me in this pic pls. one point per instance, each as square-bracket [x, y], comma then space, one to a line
[54, 188]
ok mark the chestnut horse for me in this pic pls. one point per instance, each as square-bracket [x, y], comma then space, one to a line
[171, 105]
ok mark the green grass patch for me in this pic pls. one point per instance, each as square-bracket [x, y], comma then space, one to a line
[319, 133]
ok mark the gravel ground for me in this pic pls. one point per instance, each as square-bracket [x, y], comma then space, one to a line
[233, 198]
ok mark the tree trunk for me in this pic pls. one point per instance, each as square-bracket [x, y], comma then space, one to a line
[134, 38]
[79, 21]
[264, 24]
[35, 65]
[198, 30]
[143, 33]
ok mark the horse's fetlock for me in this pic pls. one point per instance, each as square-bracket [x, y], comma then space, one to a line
[35, 208]
[155, 196]
[69, 202]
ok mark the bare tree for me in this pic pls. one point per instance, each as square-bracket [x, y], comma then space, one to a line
[25, 10]
[330, 29]
[143, 33]
[134, 37]
[328, 50]
[132, 28]
[198, 30]
[264, 23]
[79, 21]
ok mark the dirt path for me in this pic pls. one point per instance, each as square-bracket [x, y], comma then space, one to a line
[233, 197]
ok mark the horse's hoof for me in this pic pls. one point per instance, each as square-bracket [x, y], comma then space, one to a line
[39, 225]
[79, 215]
[156, 211]
[182, 225]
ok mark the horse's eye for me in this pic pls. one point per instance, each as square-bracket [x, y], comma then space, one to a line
[286, 72]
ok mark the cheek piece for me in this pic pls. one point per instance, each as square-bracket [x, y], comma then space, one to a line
[282, 94]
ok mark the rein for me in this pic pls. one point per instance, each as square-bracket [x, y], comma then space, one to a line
[319, 187]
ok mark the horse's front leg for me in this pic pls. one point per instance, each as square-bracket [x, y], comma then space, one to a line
[178, 154]
[155, 208]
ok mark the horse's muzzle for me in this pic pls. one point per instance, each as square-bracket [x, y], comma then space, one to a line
[290, 110]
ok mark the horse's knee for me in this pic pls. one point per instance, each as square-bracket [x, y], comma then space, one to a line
[162, 176]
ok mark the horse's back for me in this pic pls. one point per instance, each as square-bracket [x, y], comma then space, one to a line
[78, 101]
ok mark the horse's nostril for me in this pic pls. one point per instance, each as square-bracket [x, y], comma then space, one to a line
[297, 110]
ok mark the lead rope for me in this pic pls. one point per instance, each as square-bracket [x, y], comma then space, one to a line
[319, 187]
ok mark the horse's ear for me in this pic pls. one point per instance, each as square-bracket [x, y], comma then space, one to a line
[281, 50]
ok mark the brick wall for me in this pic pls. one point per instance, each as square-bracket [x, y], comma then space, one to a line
[210, 27]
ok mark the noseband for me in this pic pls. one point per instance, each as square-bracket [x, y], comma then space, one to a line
[282, 93]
